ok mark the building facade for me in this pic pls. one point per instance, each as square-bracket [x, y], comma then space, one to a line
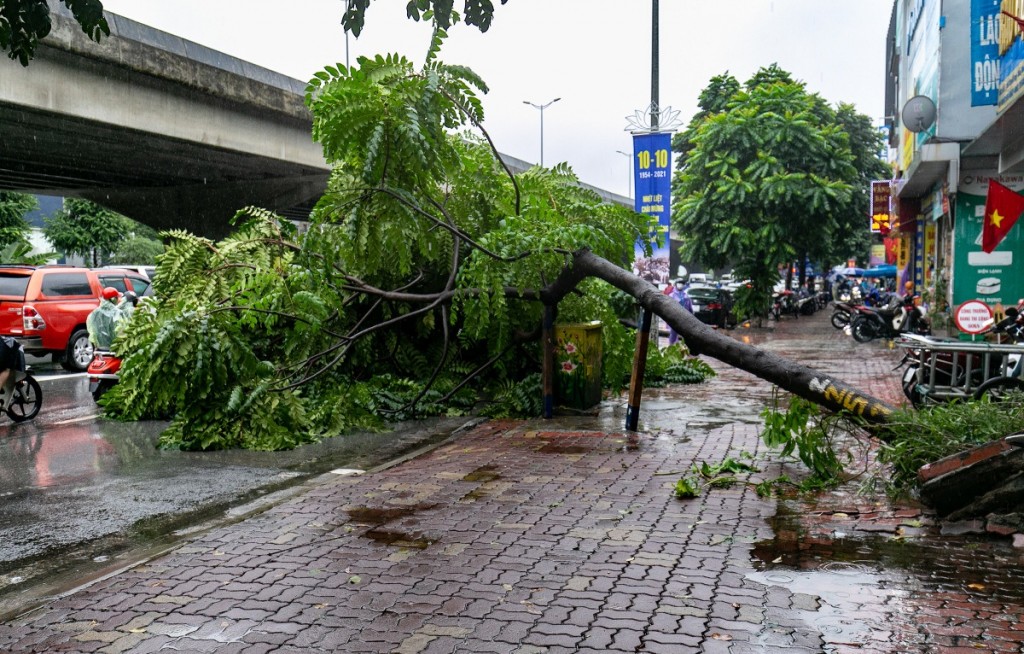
[955, 80]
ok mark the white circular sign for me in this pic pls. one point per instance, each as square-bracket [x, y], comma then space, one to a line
[973, 317]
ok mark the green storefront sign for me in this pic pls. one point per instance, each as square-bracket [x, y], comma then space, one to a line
[994, 277]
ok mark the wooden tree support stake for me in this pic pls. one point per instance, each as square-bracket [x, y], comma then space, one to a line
[636, 381]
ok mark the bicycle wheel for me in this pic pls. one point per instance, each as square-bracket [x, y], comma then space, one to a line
[997, 388]
[27, 400]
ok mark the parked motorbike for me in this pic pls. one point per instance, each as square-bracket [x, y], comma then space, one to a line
[959, 369]
[898, 317]
[822, 299]
[842, 314]
[997, 387]
[784, 303]
[806, 303]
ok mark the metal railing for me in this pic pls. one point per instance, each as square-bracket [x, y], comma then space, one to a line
[948, 369]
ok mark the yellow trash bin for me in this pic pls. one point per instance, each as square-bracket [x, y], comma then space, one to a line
[578, 365]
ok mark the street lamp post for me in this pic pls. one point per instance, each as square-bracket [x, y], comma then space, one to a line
[629, 170]
[542, 107]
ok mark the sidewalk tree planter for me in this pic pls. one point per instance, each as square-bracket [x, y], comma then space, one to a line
[578, 365]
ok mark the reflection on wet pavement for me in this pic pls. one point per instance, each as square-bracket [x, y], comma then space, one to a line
[869, 575]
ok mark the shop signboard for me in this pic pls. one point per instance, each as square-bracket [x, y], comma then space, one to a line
[991, 277]
[984, 52]
[1011, 53]
[881, 209]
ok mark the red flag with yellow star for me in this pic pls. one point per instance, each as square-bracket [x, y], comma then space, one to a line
[1002, 209]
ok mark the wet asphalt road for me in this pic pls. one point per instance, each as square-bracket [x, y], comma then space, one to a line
[77, 489]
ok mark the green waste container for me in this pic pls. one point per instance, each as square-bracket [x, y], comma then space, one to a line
[578, 365]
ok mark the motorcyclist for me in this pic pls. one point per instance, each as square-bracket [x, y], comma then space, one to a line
[102, 322]
[127, 305]
[12, 359]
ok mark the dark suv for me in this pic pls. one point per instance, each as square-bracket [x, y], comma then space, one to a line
[45, 307]
[712, 305]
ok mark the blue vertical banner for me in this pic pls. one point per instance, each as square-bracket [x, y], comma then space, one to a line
[652, 174]
[984, 52]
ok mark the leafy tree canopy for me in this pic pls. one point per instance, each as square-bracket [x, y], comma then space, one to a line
[418, 288]
[136, 250]
[13, 207]
[24, 22]
[88, 230]
[475, 12]
[768, 174]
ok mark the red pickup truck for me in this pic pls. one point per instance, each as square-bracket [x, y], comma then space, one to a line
[45, 307]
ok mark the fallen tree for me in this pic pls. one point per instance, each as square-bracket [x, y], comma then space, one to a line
[798, 379]
[418, 287]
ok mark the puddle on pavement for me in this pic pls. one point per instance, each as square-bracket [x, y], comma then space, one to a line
[483, 473]
[398, 539]
[865, 577]
[383, 514]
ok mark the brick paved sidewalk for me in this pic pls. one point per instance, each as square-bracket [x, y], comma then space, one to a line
[554, 537]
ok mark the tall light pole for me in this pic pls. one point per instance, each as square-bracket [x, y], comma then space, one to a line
[542, 107]
[629, 169]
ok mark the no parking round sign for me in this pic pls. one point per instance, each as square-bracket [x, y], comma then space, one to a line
[973, 317]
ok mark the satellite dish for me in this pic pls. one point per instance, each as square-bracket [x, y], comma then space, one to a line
[918, 113]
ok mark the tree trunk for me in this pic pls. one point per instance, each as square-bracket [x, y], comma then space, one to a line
[798, 379]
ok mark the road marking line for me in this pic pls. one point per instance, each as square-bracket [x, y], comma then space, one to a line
[72, 375]
[82, 419]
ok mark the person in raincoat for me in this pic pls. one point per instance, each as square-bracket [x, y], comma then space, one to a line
[102, 322]
[679, 294]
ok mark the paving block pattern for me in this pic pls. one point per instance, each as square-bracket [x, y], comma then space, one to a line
[565, 537]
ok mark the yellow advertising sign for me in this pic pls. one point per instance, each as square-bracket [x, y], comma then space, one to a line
[903, 252]
[929, 252]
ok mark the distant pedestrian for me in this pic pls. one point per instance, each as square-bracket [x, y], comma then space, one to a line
[677, 291]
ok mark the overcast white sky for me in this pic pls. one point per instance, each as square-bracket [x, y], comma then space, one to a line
[593, 54]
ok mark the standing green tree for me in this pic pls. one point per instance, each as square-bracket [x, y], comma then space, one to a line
[13, 226]
[88, 230]
[136, 250]
[763, 183]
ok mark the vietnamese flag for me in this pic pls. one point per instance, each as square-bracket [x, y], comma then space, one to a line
[1002, 209]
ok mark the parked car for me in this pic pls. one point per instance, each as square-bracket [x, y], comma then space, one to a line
[149, 272]
[45, 307]
[712, 305]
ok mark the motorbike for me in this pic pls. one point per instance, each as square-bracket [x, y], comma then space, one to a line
[950, 368]
[898, 317]
[21, 397]
[785, 303]
[842, 314]
[996, 388]
[806, 303]
[105, 367]
[103, 373]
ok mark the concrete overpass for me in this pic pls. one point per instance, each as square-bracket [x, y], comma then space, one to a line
[161, 129]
